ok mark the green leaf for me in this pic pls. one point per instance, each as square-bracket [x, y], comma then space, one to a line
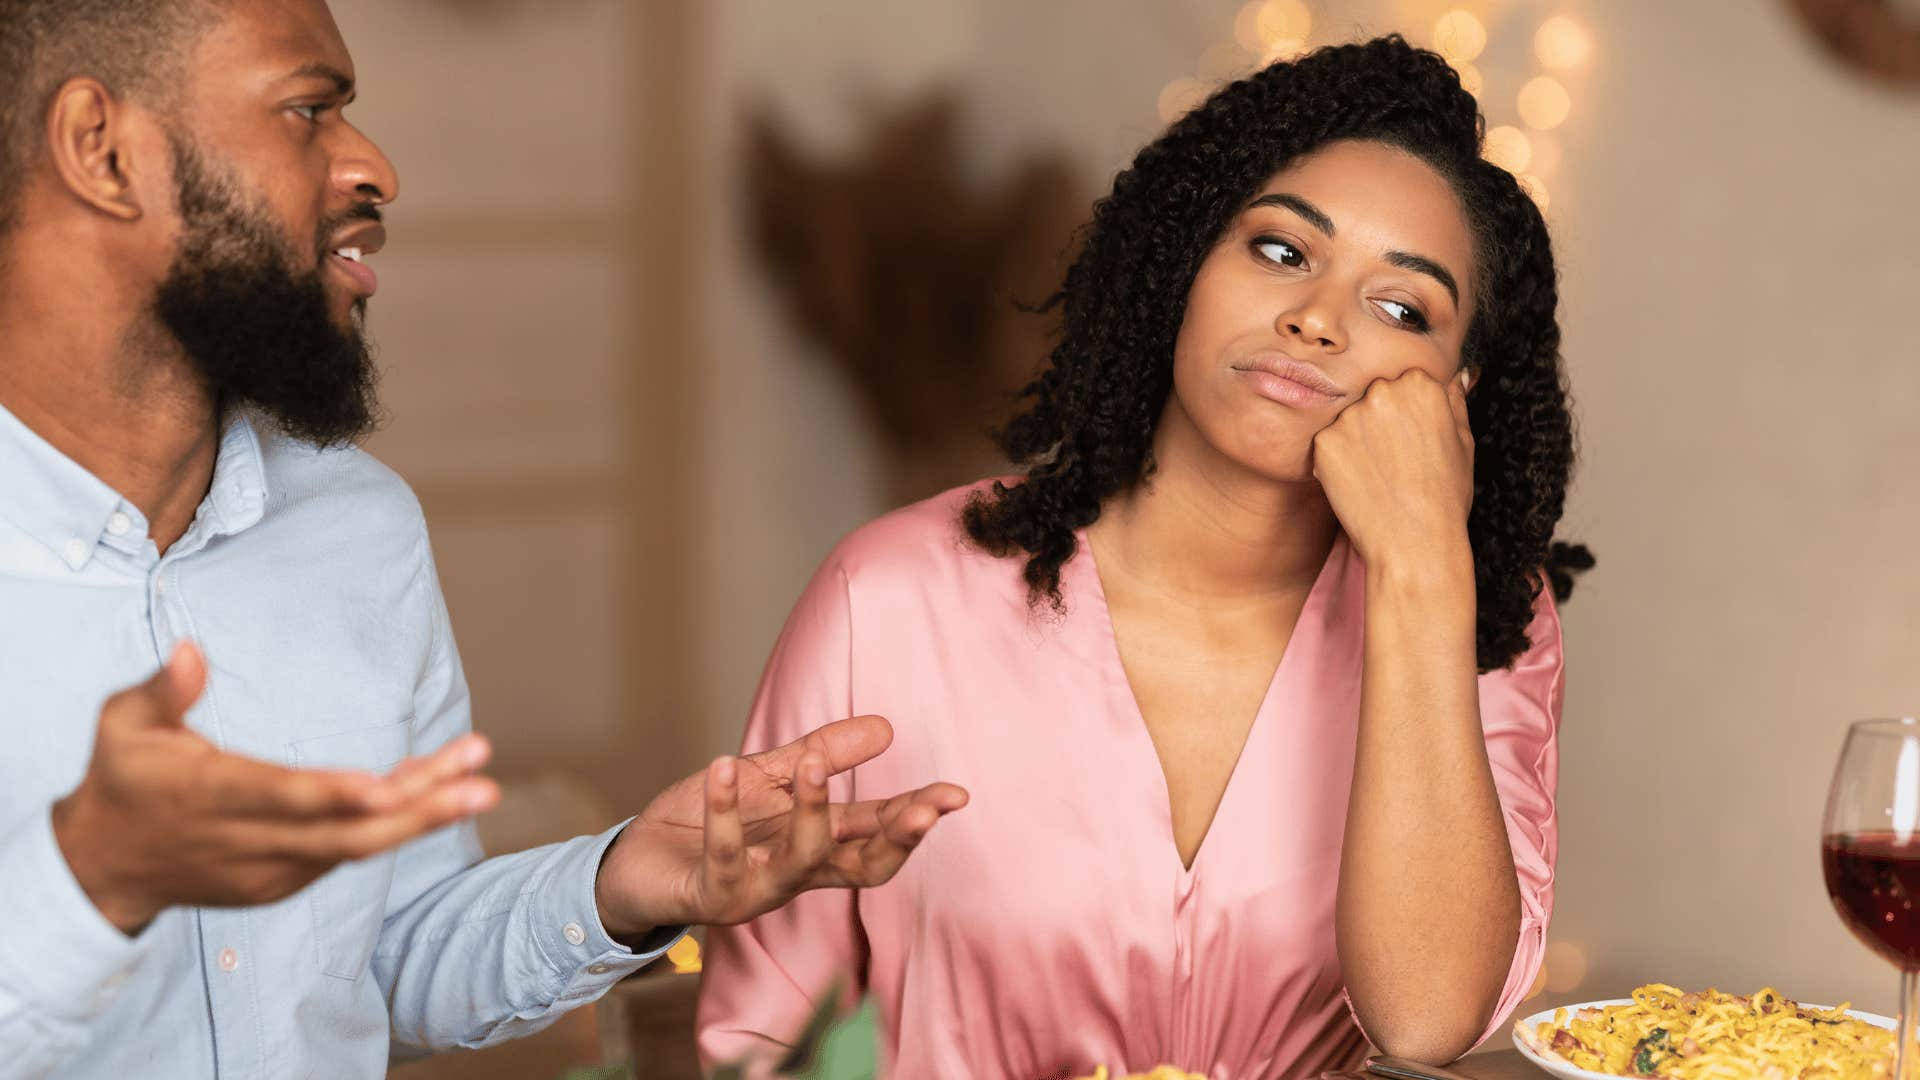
[831, 1047]
[850, 1051]
[806, 1049]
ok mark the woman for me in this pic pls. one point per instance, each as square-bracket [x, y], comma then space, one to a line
[1254, 677]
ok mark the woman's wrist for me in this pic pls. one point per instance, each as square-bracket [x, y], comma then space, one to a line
[1435, 569]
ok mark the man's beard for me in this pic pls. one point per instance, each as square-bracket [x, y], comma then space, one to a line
[256, 330]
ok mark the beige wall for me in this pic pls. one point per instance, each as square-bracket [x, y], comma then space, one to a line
[1740, 262]
[529, 358]
[529, 349]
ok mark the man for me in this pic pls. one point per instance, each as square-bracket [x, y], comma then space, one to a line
[258, 862]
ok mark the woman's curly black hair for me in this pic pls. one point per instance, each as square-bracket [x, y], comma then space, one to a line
[1088, 433]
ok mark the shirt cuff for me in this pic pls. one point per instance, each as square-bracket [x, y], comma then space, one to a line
[59, 952]
[569, 932]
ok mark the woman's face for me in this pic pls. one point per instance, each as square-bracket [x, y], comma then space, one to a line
[1353, 264]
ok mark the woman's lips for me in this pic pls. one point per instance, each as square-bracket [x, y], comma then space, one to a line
[1289, 382]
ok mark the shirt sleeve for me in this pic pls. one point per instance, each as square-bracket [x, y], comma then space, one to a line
[761, 980]
[61, 961]
[1520, 715]
[476, 952]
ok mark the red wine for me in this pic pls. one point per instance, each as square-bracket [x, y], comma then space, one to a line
[1874, 879]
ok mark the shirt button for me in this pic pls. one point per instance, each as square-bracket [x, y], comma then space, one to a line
[575, 935]
[596, 969]
[229, 960]
[160, 585]
[119, 523]
[76, 551]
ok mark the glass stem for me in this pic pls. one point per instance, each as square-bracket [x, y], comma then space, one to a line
[1907, 1061]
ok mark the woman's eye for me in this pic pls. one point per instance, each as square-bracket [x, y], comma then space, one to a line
[1278, 251]
[1405, 314]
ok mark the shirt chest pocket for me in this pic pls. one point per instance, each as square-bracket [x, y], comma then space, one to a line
[350, 901]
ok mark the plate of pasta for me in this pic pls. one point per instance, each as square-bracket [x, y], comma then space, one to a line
[1663, 1031]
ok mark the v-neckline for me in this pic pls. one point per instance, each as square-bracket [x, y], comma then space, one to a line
[1097, 592]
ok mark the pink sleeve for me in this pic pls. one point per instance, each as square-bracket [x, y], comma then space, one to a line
[762, 979]
[1520, 714]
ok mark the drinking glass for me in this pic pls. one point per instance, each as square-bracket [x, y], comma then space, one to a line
[1870, 849]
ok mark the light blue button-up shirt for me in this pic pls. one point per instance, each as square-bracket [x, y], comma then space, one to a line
[307, 579]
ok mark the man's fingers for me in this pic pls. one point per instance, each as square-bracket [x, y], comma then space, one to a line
[163, 700]
[338, 840]
[182, 681]
[724, 862]
[844, 744]
[912, 823]
[857, 821]
[905, 827]
[242, 787]
[810, 827]
[878, 836]
[862, 864]
[418, 775]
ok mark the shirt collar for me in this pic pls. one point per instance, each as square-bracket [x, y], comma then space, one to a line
[238, 497]
[52, 499]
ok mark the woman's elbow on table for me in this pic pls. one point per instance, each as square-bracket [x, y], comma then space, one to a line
[1431, 1038]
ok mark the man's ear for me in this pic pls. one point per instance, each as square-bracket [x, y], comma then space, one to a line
[91, 148]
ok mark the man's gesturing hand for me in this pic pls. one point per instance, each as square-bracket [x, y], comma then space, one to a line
[746, 835]
[163, 818]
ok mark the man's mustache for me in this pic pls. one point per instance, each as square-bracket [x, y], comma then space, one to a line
[330, 226]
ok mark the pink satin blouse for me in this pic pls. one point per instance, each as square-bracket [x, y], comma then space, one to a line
[1050, 927]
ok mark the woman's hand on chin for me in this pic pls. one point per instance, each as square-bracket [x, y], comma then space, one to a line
[1397, 466]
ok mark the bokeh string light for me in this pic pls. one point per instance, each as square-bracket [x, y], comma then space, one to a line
[1508, 147]
[1281, 21]
[1544, 103]
[1470, 77]
[1459, 35]
[1562, 44]
[1267, 31]
[1179, 97]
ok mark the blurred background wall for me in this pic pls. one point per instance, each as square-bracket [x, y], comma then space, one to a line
[633, 453]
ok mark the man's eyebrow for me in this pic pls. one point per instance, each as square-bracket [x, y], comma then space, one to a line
[342, 82]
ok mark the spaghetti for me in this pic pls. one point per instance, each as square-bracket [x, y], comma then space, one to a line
[1666, 1032]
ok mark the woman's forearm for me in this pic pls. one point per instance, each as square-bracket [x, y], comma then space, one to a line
[1429, 906]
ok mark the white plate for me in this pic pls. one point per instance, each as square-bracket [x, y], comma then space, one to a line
[1524, 1039]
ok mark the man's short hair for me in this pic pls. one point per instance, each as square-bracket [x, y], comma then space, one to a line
[137, 48]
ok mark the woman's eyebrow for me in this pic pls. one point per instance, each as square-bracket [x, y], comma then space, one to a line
[1420, 264]
[1314, 215]
[1405, 260]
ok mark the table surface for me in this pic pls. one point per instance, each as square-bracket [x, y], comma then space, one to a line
[1498, 1065]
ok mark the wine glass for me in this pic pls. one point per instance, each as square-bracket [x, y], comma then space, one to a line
[1870, 848]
